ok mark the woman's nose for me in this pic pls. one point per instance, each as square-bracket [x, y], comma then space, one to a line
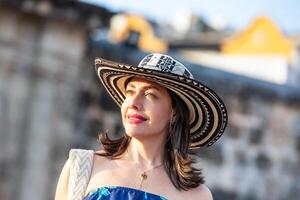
[135, 102]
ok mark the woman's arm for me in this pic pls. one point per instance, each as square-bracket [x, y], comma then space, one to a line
[62, 185]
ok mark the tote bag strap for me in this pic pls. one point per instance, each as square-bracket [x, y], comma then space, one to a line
[80, 171]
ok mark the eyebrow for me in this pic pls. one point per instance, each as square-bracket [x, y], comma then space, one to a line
[147, 87]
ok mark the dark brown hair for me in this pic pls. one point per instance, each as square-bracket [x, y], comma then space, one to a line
[177, 157]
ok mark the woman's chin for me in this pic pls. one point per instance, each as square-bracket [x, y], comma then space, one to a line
[135, 133]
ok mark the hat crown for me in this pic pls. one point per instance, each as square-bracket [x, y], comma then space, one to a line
[164, 63]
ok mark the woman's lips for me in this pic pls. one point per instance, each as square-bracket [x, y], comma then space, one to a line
[135, 118]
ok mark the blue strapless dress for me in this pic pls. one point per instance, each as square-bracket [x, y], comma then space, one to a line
[121, 193]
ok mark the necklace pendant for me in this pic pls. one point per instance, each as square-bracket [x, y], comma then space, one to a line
[144, 176]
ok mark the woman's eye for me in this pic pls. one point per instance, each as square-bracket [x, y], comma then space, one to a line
[149, 94]
[128, 92]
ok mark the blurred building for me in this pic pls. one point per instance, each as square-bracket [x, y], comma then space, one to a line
[260, 51]
[42, 49]
[259, 156]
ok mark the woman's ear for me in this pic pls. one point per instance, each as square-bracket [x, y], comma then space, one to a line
[173, 115]
[174, 111]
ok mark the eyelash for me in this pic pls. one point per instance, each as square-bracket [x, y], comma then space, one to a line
[129, 92]
[151, 94]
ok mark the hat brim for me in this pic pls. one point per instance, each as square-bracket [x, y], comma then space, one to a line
[208, 115]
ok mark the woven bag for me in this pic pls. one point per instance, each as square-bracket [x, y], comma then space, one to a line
[80, 171]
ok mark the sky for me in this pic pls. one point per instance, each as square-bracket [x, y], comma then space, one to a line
[236, 13]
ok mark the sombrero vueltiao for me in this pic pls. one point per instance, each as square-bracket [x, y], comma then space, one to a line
[208, 115]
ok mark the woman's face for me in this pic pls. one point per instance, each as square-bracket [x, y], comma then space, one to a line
[146, 110]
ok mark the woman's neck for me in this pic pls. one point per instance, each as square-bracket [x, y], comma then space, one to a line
[145, 154]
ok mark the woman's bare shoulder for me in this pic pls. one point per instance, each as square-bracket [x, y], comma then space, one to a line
[100, 161]
[99, 155]
[202, 192]
[62, 185]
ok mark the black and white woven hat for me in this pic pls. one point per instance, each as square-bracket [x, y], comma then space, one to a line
[208, 115]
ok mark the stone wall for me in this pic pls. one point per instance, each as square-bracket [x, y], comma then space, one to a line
[39, 62]
[258, 156]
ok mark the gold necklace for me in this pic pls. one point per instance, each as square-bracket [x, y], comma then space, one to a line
[144, 175]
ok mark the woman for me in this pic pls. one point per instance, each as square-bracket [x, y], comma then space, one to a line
[166, 114]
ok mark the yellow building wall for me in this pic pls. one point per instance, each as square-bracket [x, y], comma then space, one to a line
[261, 37]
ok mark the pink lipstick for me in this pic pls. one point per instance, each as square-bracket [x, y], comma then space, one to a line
[135, 118]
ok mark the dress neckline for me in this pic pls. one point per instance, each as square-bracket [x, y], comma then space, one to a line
[124, 188]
